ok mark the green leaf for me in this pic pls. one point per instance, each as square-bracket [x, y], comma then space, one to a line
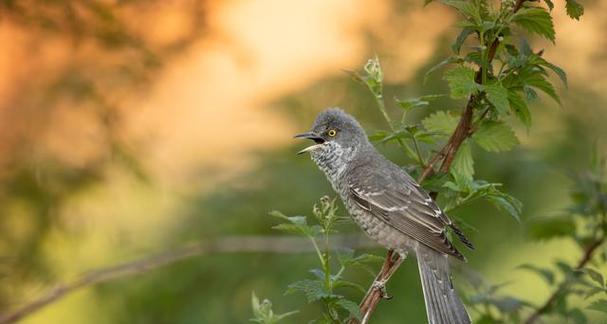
[519, 107]
[448, 60]
[506, 202]
[599, 305]
[345, 283]
[546, 274]
[574, 9]
[539, 81]
[461, 81]
[495, 137]
[350, 306]
[535, 20]
[556, 69]
[461, 38]
[553, 227]
[498, 96]
[469, 9]
[416, 102]
[550, 4]
[296, 225]
[463, 163]
[313, 289]
[440, 122]
[595, 276]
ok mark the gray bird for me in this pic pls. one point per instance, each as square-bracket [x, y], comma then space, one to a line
[390, 207]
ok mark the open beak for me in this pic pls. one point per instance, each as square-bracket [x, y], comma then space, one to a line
[311, 136]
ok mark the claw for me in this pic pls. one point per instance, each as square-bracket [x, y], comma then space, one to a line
[381, 286]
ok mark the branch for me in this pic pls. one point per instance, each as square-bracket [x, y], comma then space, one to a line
[265, 244]
[586, 257]
[446, 154]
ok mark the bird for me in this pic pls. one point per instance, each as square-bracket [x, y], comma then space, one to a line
[390, 207]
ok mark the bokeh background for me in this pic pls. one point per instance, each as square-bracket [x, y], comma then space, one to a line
[132, 127]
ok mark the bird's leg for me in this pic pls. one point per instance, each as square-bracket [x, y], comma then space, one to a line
[393, 260]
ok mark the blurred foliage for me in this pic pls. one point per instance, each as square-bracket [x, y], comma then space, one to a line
[123, 61]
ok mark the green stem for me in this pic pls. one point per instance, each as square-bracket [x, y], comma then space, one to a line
[407, 148]
[483, 58]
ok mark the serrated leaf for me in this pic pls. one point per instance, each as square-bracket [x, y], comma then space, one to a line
[574, 9]
[599, 305]
[556, 69]
[351, 307]
[495, 137]
[519, 107]
[539, 81]
[595, 276]
[535, 20]
[546, 274]
[463, 163]
[313, 289]
[461, 81]
[469, 9]
[498, 96]
[422, 101]
[440, 122]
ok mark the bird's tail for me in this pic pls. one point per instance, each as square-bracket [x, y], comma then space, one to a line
[443, 306]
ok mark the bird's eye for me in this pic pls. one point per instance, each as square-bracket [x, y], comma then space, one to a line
[332, 132]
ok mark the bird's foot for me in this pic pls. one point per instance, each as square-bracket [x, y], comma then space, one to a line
[380, 285]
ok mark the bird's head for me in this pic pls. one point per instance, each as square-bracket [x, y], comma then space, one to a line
[334, 129]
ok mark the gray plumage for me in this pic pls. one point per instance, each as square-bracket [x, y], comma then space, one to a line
[390, 207]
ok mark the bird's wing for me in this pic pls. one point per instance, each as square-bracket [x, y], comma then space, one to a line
[402, 204]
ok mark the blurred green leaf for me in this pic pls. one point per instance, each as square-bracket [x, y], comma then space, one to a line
[548, 228]
[595, 276]
[546, 274]
[599, 305]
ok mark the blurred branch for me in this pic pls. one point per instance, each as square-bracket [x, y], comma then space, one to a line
[233, 244]
[446, 154]
[586, 257]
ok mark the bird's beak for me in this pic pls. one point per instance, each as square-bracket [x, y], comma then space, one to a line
[312, 136]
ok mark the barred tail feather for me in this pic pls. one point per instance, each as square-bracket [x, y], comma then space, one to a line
[443, 306]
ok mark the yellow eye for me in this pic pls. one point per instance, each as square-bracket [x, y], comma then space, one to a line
[332, 132]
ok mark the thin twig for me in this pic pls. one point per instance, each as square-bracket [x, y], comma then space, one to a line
[264, 244]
